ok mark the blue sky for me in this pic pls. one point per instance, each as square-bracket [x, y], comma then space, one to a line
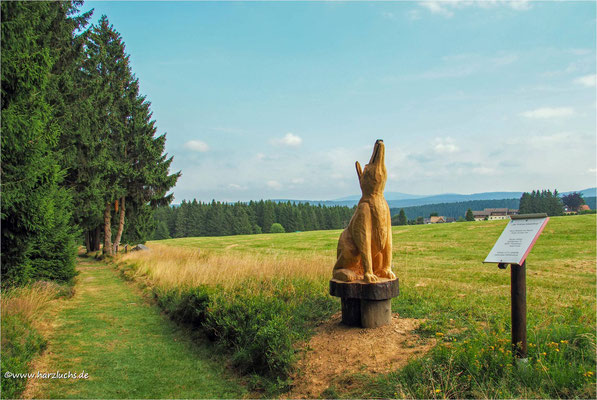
[278, 100]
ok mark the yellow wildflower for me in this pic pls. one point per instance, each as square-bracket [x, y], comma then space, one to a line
[439, 334]
[437, 390]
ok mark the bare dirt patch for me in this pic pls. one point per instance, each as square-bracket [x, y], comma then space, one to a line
[337, 350]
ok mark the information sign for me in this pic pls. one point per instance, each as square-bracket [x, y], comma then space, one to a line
[516, 241]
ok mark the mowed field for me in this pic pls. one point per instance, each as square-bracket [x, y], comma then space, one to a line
[465, 303]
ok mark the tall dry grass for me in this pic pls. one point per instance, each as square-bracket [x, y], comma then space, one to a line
[28, 302]
[169, 267]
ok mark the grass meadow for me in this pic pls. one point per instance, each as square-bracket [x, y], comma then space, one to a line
[21, 341]
[259, 296]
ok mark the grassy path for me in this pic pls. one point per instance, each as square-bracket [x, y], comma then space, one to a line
[128, 348]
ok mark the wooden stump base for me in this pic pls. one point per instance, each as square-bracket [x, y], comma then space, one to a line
[367, 305]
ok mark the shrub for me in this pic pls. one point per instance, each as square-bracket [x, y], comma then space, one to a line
[20, 344]
[277, 228]
[258, 322]
[188, 305]
[20, 307]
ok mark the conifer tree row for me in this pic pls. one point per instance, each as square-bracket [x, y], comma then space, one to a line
[38, 238]
[541, 201]
[134, 177]
[79, 147]
[219, 219]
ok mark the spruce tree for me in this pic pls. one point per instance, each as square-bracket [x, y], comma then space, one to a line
[161, 231]
[402, 217]
[268, 216]
[130, 166]
[37, 231]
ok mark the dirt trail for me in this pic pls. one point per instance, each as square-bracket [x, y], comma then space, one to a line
[338, 350]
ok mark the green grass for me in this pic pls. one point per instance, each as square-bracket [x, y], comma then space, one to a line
[21, 343]
[128, 348]
[443, 264]
[467, 305]
[288, 243]
[257, 324]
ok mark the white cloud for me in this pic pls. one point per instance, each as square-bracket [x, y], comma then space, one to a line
[274, 184]
[413, 15]
[236, 186]
[520, 5]
[587, 80]
[504, 59]
[436, 7]
[580, 52]
[444, 145]
[592, 171]
[445, 7]
[466, 64]
[197, 145]
[484, 170]
[298, 181]
[549, 112]
[290, 140]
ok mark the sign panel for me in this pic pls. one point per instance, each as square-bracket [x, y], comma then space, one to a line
[516, 241]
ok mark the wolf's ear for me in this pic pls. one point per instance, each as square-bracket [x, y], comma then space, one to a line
[359, 170]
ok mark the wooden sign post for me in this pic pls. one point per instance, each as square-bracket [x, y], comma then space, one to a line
[512, 247]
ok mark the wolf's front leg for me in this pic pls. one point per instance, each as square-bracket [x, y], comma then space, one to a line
[385, 268]
[366, 258]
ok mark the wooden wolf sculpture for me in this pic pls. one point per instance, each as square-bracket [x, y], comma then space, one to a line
[365, 246]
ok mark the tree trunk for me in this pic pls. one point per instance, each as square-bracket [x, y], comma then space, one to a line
[93, 239]
[107, 231]
[96, 236]
[120, 227]
[87, 243]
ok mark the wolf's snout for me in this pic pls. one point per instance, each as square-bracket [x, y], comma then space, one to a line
[379, 145]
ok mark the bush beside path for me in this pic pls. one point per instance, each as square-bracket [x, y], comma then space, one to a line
[128, 348]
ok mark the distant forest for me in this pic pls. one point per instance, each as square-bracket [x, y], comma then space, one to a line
[454, 210]
[457, 210]
[194, 218]
[219, 219]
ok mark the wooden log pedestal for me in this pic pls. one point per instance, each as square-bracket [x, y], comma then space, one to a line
[367, 305]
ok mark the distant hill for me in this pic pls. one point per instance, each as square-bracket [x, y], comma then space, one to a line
[388, 195]
[591, 202]
[590, 192]
[454, 198]
[401, 200]
[397, 199]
